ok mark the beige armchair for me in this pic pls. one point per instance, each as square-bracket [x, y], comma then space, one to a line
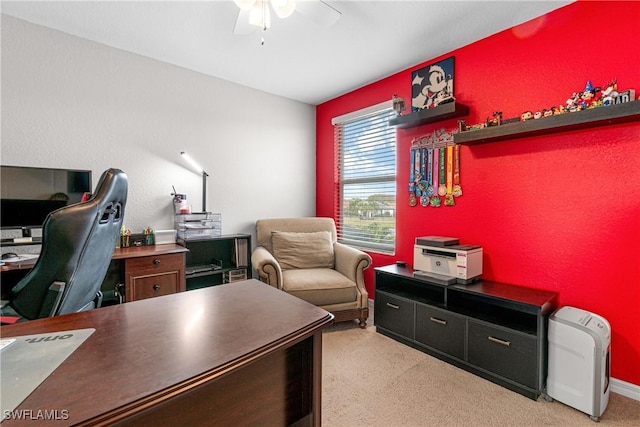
[302, 257]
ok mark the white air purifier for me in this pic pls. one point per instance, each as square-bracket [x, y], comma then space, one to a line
[579, 359]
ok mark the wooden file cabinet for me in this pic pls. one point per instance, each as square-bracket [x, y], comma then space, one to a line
[152, 271]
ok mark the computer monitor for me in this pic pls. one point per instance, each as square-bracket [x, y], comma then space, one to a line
[29, 194]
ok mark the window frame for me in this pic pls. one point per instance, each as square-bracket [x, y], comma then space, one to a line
[382, 111]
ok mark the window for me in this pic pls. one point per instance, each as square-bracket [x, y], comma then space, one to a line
[365, 179]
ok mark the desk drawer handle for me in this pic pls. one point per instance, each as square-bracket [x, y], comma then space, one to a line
[395, 307]
[436, 320]
[156, 288]
[156, 261]
[499, 341]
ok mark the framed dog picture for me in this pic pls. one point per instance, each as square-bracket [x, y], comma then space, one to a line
[432, 85]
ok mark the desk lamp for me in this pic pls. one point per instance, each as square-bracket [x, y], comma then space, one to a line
[199, 169]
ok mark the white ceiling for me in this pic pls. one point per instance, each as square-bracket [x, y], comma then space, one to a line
[300, 59]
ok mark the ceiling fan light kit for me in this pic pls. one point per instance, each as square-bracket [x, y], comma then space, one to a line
[257, 13]
[260, 14]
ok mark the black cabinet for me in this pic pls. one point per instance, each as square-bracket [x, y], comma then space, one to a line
[216, 260]
[396, 314]
[495, 330]
[440, 329]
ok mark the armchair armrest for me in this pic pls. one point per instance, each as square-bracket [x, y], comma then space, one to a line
[267, 266]
[351, 262]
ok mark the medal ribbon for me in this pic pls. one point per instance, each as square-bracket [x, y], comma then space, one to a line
[456, 172]
[411, 172]
[430, 165]
[435, 169]
[442, 166]
[416, 169]
[449, 169]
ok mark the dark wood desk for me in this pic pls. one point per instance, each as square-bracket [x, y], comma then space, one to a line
[146, 271]
[118, 253]
[237, 354]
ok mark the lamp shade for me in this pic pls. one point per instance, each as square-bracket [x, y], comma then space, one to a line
[283, 8]
[192, 162]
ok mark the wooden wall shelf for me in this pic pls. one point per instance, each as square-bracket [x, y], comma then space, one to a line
[601, 116]
[431, 115]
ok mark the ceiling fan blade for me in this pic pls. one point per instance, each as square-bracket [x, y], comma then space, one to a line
[242, 26]
[319, 12]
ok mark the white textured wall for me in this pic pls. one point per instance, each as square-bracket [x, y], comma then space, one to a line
[72, 103]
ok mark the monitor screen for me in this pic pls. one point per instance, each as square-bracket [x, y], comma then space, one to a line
[29, 194]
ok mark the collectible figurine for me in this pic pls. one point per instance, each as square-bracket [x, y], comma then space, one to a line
[547, 113]
[398, 104]
[610, 93]
[496, 119]
[573, 103]
[537, 114]
[588, 96]
[527, 115]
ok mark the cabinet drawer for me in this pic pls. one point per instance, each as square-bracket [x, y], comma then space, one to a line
[394, 313]
[154, 264]
[440, 329]
[154, 285]
[506, 353]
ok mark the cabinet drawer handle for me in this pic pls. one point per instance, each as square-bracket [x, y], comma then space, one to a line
[156, 288]
[156, 261]
[395, 307]
[499, 341]
[436, 320]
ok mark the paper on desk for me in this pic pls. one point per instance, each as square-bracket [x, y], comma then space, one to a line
[30, 359]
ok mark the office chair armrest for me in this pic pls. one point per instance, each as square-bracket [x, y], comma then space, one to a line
[53, 299]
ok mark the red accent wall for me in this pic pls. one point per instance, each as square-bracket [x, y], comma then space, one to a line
[559, 211]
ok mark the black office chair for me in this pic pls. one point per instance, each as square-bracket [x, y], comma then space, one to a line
[77, 244]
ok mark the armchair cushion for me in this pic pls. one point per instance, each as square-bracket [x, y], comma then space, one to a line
[303, 250]
[319, 286]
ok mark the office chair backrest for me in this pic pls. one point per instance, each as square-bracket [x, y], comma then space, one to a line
[77, 245]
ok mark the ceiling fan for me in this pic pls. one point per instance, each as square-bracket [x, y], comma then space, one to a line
[256, 14]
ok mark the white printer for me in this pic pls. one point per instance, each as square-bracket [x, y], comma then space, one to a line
[443, 260]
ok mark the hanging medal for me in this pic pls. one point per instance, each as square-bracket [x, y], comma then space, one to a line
[457, 189]
[423, 184]
[442, 189]
[435, 200]
[430, 189]
[412, 187]
[448, 198]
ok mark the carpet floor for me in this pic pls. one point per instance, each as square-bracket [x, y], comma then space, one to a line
[369, 379]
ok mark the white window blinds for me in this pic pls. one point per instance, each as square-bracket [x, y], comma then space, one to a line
[365, 176]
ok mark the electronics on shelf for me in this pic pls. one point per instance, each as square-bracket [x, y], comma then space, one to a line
[443, 260]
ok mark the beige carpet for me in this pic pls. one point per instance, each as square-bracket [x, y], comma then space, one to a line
[369, 379]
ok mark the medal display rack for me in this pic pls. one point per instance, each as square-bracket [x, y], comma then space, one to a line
[434, 175]
[601, 116]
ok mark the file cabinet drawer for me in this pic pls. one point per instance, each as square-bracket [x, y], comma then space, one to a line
[153, 276]
[155, 264]
[440, 329]
[507, 353]
[394, 314]
[154, 285]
